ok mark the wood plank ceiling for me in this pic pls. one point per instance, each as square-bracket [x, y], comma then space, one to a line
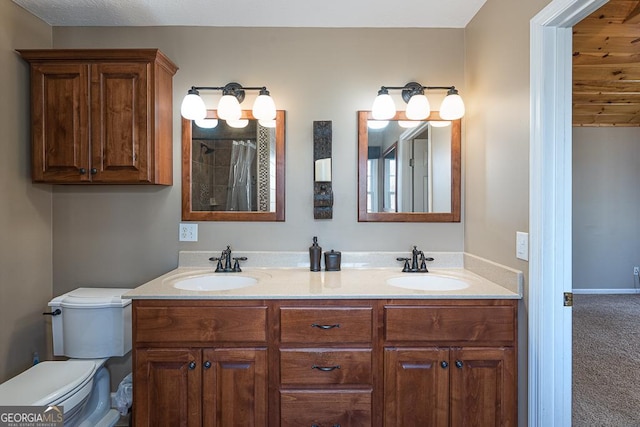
[606, 66]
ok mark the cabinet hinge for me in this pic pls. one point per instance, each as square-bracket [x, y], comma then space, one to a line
[568, 299]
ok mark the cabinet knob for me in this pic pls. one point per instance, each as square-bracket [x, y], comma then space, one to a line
[82, 171]
[94, 171]
[192, 365]
[459, 364]
[207, 365]
[444, 364]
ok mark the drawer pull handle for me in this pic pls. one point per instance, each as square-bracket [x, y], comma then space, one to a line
[192, 365]
[207, 365]
[459, 364]
[325, 368]
[444, 364]
[315, 325]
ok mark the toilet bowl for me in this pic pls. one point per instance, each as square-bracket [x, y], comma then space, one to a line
[93, 324]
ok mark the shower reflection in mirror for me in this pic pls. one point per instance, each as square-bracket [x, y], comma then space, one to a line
[233, 169]
[409, 168]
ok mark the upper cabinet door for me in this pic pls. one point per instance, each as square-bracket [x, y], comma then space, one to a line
[101, 116]
[59, 122]
[120, 118]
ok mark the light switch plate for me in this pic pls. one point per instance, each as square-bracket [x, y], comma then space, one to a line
[522, 245]
[188, 232]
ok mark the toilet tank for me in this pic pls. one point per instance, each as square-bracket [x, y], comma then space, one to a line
[93, 323]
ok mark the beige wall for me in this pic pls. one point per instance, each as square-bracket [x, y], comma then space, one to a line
[606, 208]
[124, 236]
[497, 143]
[25, 209]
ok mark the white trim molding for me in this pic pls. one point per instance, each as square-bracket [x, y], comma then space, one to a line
[550, 211]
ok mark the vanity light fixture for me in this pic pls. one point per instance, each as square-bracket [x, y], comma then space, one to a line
[418, 107]
[193, 107]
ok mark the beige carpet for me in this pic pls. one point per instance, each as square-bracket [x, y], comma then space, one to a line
[606, 360]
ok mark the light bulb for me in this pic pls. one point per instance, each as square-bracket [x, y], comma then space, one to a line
[207, 123]
[263, 107]
[439, 123]
[383, 106]
[407, 124]
[452, 107]
[267, 123]
[229, 108]
[193, 107]
[240, 123]
[377, 124]
[418, 107]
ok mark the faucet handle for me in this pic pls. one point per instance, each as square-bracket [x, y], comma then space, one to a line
[236, 264]
[406, 267]
[219, 259]
[423, 263]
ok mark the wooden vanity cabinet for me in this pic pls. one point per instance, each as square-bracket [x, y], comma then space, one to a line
[326, 363]
[450, 363]
[101, 116]
[200, 363]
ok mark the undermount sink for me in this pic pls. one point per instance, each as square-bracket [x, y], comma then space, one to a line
[427, 283]
[213, 282]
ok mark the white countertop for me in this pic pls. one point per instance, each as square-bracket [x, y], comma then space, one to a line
[300, 283]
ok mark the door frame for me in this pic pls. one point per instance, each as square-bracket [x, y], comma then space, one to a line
[550, 190]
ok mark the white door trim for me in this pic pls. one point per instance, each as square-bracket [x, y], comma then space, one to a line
[550, 211]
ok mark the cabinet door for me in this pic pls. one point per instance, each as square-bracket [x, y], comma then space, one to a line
[167, 388]
[120, 122]
[416, 387]
[235, 387]
[483, 387]
[59, 122]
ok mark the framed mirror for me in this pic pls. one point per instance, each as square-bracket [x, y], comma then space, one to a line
[233, 173]
[408, 171]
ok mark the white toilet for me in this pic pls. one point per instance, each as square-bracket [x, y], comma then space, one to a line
[93, 324]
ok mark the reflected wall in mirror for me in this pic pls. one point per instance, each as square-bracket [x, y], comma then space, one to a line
[233, 171]
[408, 171]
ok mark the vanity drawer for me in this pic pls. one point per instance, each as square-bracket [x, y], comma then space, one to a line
[204, 324]
[325, 366]
[345, 408]
[490, 324]
[325, 325]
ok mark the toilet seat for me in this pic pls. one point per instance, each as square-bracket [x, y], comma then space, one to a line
[50, 383]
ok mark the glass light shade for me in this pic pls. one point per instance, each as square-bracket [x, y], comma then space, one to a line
[440, 123]
[229, 108]
[207, 123]
[267, 123]
[452, 107]
[377, 124]
[383, 107]
[193, 107]
[408, 123]
[264, 108]
[240, 123]
[418, 107]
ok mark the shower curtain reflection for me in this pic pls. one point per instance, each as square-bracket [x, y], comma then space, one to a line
[240, 191]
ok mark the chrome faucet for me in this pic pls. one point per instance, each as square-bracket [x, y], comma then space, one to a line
[418, 262]
[226, 257]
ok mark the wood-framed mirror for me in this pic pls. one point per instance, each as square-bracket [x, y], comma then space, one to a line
[426, 175]
[232, 173]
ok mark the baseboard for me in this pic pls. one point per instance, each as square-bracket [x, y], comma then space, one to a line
[606, 291]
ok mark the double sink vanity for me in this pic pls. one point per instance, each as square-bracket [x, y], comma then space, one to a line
[279, 345]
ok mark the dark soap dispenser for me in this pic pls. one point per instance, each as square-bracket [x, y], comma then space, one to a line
[315, 255]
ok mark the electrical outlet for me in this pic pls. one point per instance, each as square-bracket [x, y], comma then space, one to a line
[188, 232]
[636, 271]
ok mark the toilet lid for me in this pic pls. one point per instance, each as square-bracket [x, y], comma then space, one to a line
[46, 383]
[92, 298]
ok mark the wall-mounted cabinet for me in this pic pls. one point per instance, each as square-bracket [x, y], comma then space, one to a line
[101, 116]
